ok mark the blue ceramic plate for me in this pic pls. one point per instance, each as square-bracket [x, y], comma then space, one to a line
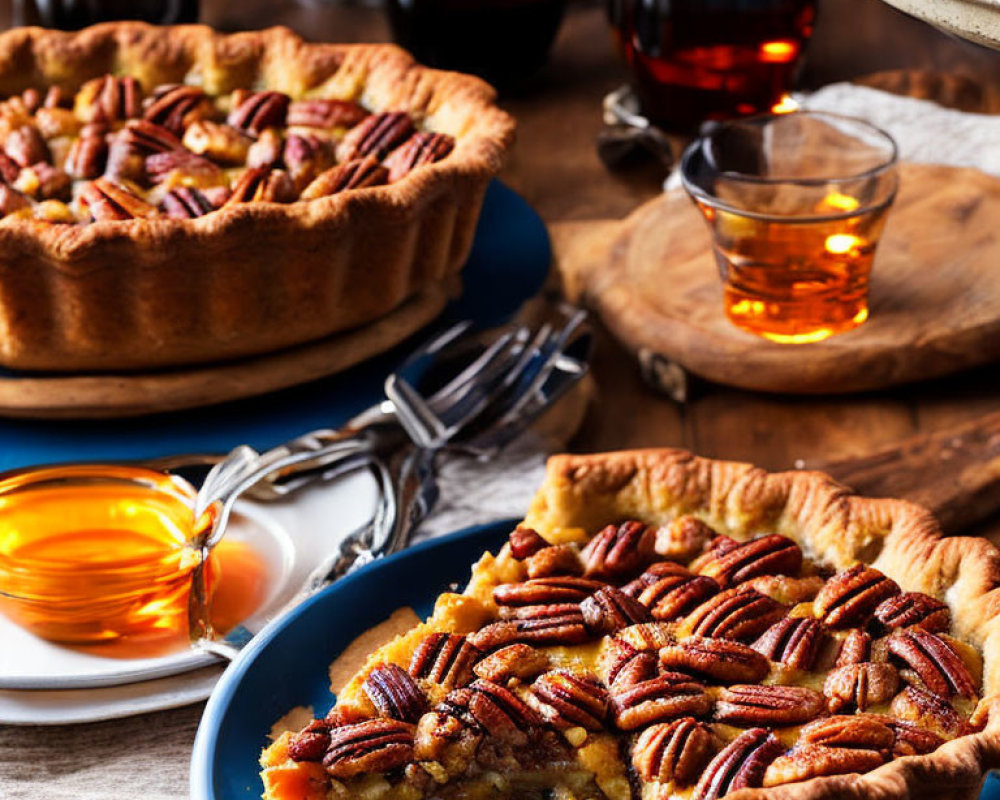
[286, 664]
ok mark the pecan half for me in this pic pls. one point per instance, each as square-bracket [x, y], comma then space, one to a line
[267, 150]
[521, 661]
[422, 148]
[717, 546]
[631, 670]
[544, 591]
[222, 143]
[106, 200]
[859, 731]
[175, 106]
[815, 760]
[927, 710]
[11, 200]
[26, 146]
[186, 202]
[674, 595]
[445, 659]
[262, 185]
[740, 613]
[911, 740]
[559, 559]
[667, 696]
[654, 573]
[88, 154]
[525, 542]
[394, 693]
[449, 735]
[376, 136]
[647, 635]
[324, 113]
[549, 624]
[849, 598]
[767, 555]
[860, 686]
[719, 660]
[937, 666]
[43, 181]
[673, 751]
[358, 173]
[793, 641]
[618, 551]
[254, 111]
[182, 167]
[109, 99]
[501, 713]
[8, 168]
[914, 609]
[788, 591]
[739, 765]
[683, 539]
[768, 705]
[609, 609]
[131, 146]
[312, 742]
[855, 649]
[372, 746]
[570, 699]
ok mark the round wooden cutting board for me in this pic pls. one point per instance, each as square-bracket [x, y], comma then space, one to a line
[935, 296]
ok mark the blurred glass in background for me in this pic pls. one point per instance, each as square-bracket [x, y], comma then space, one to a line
[75, 14]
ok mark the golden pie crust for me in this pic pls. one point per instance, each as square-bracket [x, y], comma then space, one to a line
[253, 277]
[831, 525]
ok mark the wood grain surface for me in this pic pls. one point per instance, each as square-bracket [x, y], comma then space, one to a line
[935, 300]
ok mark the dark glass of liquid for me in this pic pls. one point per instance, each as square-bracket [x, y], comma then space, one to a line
[695, 60]
[504, 41]
[75, 14]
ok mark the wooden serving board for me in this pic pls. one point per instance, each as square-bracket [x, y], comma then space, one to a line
[935, 297]
[55, 396]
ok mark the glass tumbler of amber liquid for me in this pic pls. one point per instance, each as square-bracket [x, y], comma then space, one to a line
[796, 204]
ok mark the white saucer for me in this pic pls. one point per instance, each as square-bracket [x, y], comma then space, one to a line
[291, 536]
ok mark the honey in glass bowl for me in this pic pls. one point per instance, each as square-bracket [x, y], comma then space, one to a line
[94, 553]
[796, 204]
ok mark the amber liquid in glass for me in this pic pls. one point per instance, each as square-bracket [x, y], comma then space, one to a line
[693, 60]
[95, 563]
[795, 281]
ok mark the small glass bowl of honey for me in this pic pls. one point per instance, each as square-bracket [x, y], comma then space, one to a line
[94, 553]
[796, 204]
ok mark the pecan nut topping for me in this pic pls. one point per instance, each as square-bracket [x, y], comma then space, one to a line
[133, 144]
[860, 686]
[929, 711]
[521, 661]
[222, 143]
[394, 693]
[609, 610]
[525, 542]
[815, 760]
[849, 598]
[88, 154]
[740, 613]
[618, 551]
[549, 624]
[739, 765]
[632, 669]
[788, 591]
[11, 200]
[106, 200]
[267, 150]
[358, 173]
[182, 167]
[914, 609]
[683, 539]
[718, 660]
[859, 731]
[424, 147]
[26, 146]
[653, 573]
[935, 663]
[445, 659]
[375, 745]
[667, 696]
[793, 641]
[109, 99]
[8, 168]
[376, 136]
[545, 591]
[306, 157]
[501, 713]
[911, 740]
[253, 112]
[262, 185]
[325, 113]
[856, 648]
[673, 751]
[559, 559]
[174, 106]
[767, 555]
[568, 699]
[43, 181]
[752, 704]
[186, 202]
[312, 742]
[673, 596]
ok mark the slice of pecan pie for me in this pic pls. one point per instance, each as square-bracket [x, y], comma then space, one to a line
[664, 626]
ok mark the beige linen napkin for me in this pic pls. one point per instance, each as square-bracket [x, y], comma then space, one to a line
[146, 757]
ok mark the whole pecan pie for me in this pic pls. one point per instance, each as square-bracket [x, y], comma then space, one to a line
[173, 195]
[666, 626]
